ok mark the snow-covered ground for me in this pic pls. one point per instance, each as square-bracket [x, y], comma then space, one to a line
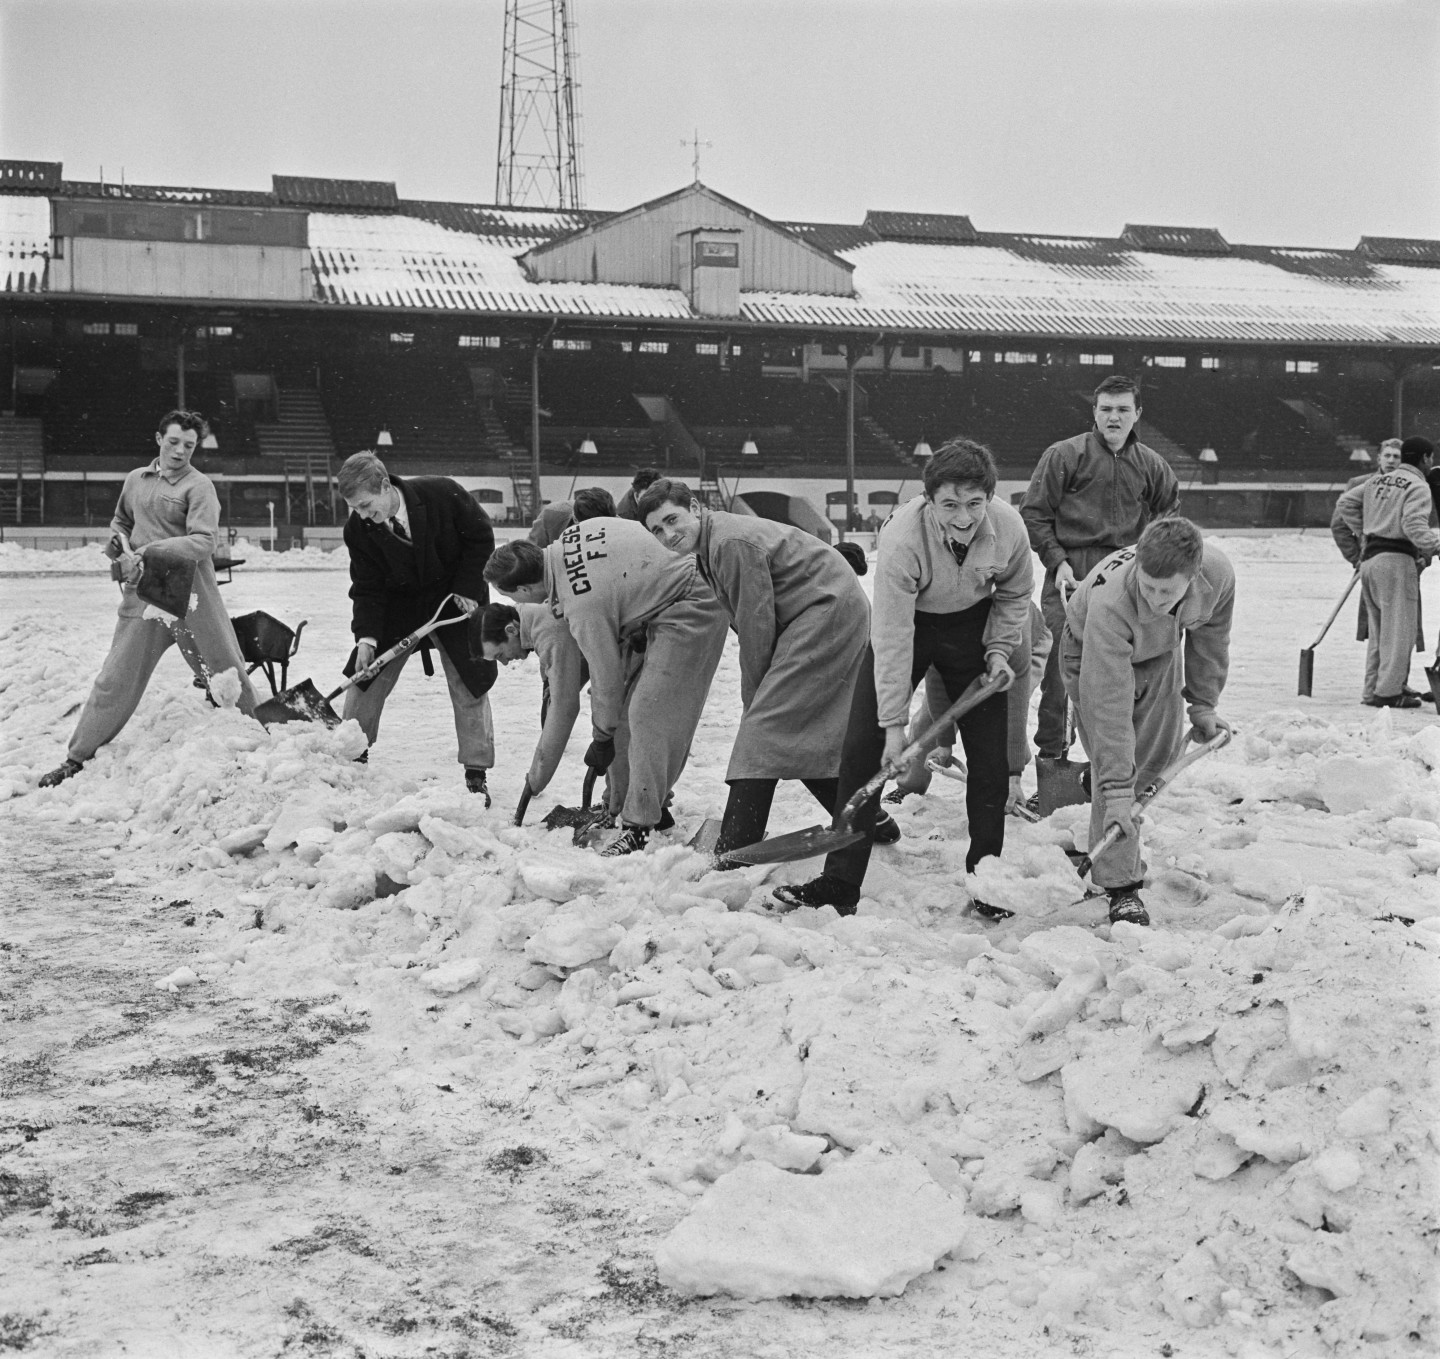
[308, 1057]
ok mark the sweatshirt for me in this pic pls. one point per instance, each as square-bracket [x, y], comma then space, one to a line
[182, 513]
[916, 572]
[1083, 495]
[1391, 505]
[563, 668]
[1117, 631]
[609, 577]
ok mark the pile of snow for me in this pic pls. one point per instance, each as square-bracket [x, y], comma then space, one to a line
[91, 559]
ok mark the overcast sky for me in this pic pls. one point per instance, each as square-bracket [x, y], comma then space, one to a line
[1305, 122]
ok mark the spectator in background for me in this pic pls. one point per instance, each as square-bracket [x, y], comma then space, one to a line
[590, 502]
[628, 507]
[1089, 495]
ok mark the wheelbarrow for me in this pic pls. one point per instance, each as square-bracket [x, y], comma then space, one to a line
[841, 833]
[266, 642]
[305, 703]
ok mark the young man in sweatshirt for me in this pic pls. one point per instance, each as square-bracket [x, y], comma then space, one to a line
[1145, 622]
[953, 579]
[622, 593]
[803, 623]
[1389, 514]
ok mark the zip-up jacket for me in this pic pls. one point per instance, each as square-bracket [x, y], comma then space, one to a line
[609, 577]
[916, 572]
[1117, 631]
[1083, 495]
[1391, 511]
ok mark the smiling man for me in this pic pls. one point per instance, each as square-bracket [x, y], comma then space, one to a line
[171, 509]
[1088, 496]
[1145, 634]
[803, 623]
[952, 590]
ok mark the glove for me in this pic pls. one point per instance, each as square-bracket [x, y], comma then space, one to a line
[600, 754]
[1119, 811]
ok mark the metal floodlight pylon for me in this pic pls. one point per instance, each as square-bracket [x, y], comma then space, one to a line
[538, 162]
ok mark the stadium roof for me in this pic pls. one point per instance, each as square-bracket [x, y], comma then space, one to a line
[912, 272]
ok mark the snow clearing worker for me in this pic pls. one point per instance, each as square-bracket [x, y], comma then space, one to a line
[590, 502]
[803, 623]
[412, 541]
[1088, 496]
[170, 509]
[917, 777]
[506, 634]
[953, 579]
[1390, 515]
[1147, 632]
[621, 593]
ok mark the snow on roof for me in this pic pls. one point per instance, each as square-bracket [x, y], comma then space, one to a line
[397, 261]
[1116, 292]
[24, 242]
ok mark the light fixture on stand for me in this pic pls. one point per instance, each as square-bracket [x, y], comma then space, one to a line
[210, 442]
[1360, 454]
[587, 448]
[1209, 466]
[748, 448]
[923, 449]
[383, 439]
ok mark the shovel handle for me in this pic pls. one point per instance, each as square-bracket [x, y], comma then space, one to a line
[405, 644]
[1335, 612]
[524, 804]
[587, 789]
[1162, 780]
[976, 694]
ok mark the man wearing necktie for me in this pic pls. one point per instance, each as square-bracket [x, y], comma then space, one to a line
[412, 541]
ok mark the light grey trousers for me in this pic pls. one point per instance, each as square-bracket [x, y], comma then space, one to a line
[1390, 594]
[474, 735]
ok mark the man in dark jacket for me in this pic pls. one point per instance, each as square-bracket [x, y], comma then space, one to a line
[1087, 497]
[412, 542]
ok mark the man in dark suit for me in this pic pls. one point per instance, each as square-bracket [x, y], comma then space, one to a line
[412, 542]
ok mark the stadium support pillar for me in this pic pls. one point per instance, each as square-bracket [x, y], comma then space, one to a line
[852, 357]
[180, 375]
[536, 500]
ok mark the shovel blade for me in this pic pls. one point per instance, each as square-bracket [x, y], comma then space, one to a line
[707, 837]
[795, 845]
[166, 582]
[1059, 782]
[302, 702]
[1307, 672]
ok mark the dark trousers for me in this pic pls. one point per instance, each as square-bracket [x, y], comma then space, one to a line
[747, 811]
[1052, 734]
[954, 644]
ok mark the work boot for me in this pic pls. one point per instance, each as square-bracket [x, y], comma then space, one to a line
[1400, 700]
[821, 891]
[631, 840]
[68, 770]
[475, 782]
[666, 821]
[887, 829]
[1126, 904]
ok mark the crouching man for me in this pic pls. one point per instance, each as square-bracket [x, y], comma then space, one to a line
[622, 593]
[953, 579]
[1124, 670]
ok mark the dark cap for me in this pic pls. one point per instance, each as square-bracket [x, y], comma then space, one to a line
[1418, 447]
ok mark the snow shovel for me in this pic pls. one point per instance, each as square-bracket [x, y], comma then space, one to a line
[303, 702]
[166, 579]
[1307, 654]
[1059, 780]
[841, 834]
[1162, 780]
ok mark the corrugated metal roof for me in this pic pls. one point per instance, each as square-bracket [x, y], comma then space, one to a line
[542, 224]
[1400, 249]
[160, 193]
[921, 226]
[24, 242]
[1182, 240]
[38, 175]
[303, 191]
[398, 261]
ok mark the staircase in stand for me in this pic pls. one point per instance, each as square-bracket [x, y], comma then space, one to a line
[22, 471]
[1181, 460]
[301, 439]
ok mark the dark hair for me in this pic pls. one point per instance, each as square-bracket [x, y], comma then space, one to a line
[1117, 383]
[960, 462]
[186, 420]
[494, 619]
[662, 492]
[592, 502]
[1170, 547]
[1415, 450]
[643, 477]
[361, 471]
[516, 563]
[854, 554]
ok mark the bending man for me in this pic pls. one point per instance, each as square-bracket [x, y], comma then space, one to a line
[803, 623]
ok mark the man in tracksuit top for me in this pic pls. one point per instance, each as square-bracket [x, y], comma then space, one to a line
[1121, 657]
[1391, 513]
[1088, 496]
[169, 508]
[803, 623]
[590, 502]
[621, 592]
[952, 589]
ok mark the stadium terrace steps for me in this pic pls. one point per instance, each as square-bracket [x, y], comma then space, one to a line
[22, 463]
[302, 432]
